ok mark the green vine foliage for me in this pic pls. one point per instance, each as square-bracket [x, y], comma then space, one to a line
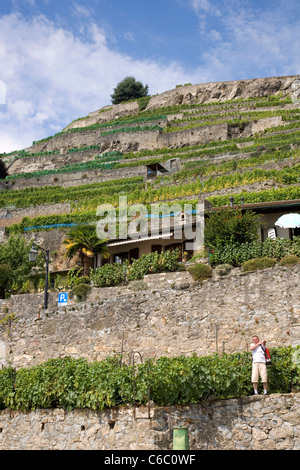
[7, 320]
[268, 195]
[117, 274]
[109, 275]
[236, 254]
[70, 383]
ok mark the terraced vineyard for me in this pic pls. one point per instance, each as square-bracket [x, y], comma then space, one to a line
[246, 148]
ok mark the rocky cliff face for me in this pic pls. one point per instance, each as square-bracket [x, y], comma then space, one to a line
[202, 93]
[215, 92]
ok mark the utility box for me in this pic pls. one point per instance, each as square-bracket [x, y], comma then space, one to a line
[180, 439]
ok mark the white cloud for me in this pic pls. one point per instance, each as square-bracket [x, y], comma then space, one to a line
[215, 35]
[129, 36]
[2, 92]
[81, 10]
[247, 40]
[206, 6]
[53, 77]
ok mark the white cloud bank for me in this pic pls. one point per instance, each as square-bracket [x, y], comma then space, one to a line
[52, 77]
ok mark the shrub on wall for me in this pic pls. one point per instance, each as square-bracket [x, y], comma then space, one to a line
[109, 275]
[153, 263]
[7, 377]
[231, 226]
[258, 263]
[200, 271]
[236, 254]
[289, 260]
[281, 247]
[80, 291]
[116, 274]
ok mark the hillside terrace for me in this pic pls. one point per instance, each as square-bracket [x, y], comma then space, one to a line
[245, 148]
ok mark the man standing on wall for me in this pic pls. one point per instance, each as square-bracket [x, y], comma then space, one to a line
[259, 366]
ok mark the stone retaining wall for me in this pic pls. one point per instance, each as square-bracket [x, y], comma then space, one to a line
[15, 216]
[150, 140]
[78, 178]
[253, 423]
[165, 314]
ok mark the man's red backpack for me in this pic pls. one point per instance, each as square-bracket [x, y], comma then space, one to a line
[267, 356]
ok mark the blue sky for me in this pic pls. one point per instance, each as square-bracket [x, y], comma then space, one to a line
[60, 60]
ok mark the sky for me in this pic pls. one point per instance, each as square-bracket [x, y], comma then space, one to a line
[62, 59]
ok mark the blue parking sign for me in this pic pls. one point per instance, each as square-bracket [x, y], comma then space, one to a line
[62, 298]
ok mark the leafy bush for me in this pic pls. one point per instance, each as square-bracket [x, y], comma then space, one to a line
[117, 274]
[236, 255]
[153, 263]
[80, 291]
[74, 383]
[82, 280]
[7, 378]
[289, 260]
[258, 263]
[15, 267]
[200, 271]
[277, 248]
[144, 265]
[109, 275]
[281, 247]
[284, 374]
[169, 260]
[230, 227]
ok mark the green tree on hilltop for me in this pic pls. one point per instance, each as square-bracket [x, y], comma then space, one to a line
[129, 88]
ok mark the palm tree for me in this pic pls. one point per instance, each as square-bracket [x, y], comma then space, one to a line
[83, 239]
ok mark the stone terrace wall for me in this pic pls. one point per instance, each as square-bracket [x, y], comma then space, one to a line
[48, 162]
[253, 423]
[171, 316]
[125, 142]
[15, 216]
[133, 141]
[78, 178]
[151, 140]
